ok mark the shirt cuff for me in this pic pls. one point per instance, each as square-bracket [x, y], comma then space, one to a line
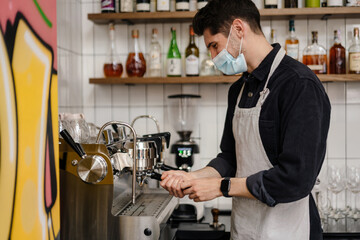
[256, 187]
[223, 167]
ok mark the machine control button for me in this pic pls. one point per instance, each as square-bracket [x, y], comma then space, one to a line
[147, 231]
[92, 169]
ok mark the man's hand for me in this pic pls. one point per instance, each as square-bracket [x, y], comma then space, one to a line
[171, 181]
[202, 189]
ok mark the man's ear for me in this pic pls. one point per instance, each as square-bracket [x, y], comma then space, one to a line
[239, 27]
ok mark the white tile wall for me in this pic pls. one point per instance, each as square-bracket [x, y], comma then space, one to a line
[82, 50]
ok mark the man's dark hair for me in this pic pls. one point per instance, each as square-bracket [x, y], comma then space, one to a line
[218, 15]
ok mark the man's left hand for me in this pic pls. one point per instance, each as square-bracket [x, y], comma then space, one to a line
[203, 189]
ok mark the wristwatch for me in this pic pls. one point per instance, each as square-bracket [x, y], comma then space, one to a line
[225, 186]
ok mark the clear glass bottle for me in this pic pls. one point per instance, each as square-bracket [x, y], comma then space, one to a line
[314, 56]
[354, 54]
[182, 5]
[270, 3]
[143, 5]
[192, 56]
[337, 62]
[126, 6]
[155, 56]
[173, 57]
[292, 43]
[163, 5]
[334, 3]
[135, 63]
[273, 36]
[208, 67]
[107, 6]
[112, 67]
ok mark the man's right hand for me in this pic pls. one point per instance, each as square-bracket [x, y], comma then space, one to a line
[171, 181]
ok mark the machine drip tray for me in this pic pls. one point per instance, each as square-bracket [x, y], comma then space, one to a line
[199, 231]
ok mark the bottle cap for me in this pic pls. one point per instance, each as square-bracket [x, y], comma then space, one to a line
[155, 31]
[111, 26]
[173, 29]
[291, 25]
[356, 32]
[135, 33]
[191, 30]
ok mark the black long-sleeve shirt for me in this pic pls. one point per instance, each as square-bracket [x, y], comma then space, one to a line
[293, 125]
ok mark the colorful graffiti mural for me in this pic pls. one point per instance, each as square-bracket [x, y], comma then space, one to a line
[29, 172]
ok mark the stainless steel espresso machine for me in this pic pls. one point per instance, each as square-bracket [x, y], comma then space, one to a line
[103, 187]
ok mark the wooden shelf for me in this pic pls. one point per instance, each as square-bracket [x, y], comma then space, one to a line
[210, 80]
[284, 13]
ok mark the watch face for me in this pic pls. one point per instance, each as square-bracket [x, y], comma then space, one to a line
[225, 185]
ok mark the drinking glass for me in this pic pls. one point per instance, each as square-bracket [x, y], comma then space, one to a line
[353, 184]
[336, 185]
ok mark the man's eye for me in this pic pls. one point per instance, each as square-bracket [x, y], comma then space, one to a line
[215, 46]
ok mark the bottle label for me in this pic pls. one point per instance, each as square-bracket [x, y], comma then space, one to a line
[354, 62]
[163, 5]
[126, 6]
[292, 50]
[316, 67]
[200, 5]
[155, 60]
[145, 7]
[333, 3]
[271, 2]
[192, 65]
[174, 67]
[108, 5]
[182, 6]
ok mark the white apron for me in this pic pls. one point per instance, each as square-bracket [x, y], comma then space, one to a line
[252, 219]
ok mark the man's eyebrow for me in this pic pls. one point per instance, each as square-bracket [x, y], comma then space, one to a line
[209, 45]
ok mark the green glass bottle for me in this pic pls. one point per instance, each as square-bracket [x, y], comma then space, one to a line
[173, 57]
[312, 3]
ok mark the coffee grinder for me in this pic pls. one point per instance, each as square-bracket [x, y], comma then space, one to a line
[183, 113]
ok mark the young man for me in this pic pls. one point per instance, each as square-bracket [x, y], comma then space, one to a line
[275, 131]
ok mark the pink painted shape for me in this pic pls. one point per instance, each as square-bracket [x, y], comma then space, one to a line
[9, 9]
[48, 197]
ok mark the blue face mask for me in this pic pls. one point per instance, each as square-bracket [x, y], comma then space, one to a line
[229, 65]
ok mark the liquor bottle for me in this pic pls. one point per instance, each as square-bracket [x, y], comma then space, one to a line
[112, 67]
[143, 5]
[270, 3]
[201, 4]
[155, 56]
[107, 6]
[273, 37]
[135, 63]
[291, 3]
[163, 5]
[292, 43]
[337, 56]
[182, 5]
[208, 67]
[312, 3]
[126, 6]
[192, 56]
[335, 3]
[173, 57]
[354, 54]
[314, 56]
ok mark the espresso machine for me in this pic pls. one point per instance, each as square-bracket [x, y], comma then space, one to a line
[103, 187]
[183, 114]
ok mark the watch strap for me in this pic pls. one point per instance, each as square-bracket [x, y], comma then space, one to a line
[225, 186]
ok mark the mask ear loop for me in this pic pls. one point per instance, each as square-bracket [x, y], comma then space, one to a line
[228, 38]
[241, 45]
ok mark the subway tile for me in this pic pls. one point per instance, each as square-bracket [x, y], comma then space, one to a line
[266, 28]
[221, 115]
[155, 95]
[75, 82]
[158, 114]
[121, 114]
[121, 39]
[137, 96]
[171, 89]
[89, 113]
[120, 95]
[88, 89]
[353, 163]
[87, 29]
[97, 6]
[103, 95]
[353, 92]
[281, 29]
[222, 94]
[101, 39]
[336, 142]
[208, 95]
[353, 130]
[319, 26]
[102, 115]
[190, 89]
[140, 125]
[208, 124]
[336, 92]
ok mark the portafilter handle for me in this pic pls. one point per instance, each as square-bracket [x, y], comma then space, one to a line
[76, 147]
